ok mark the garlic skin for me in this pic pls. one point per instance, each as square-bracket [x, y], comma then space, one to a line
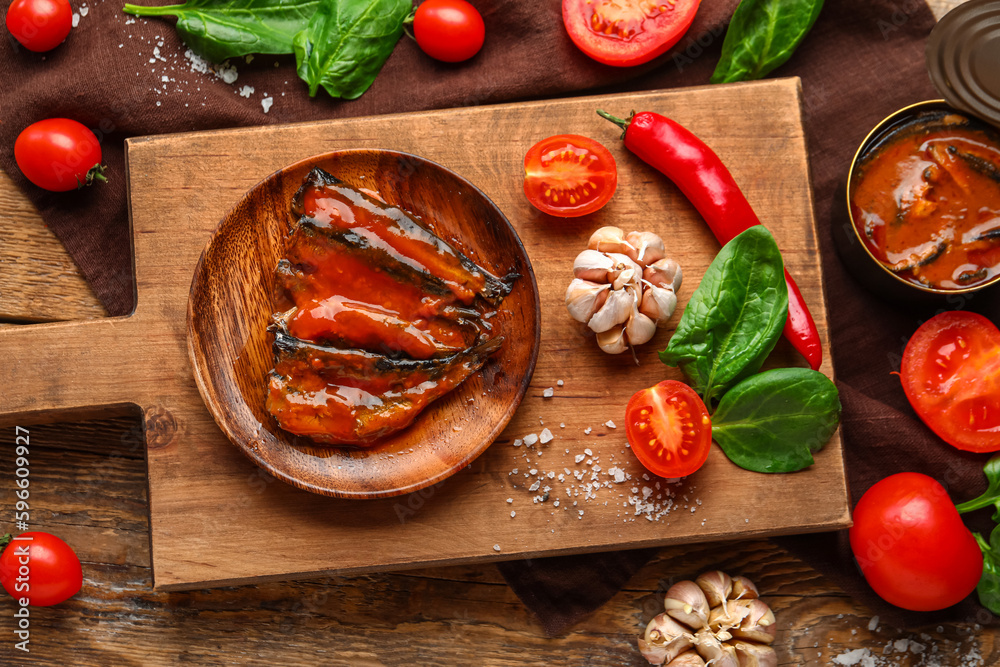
[705, 623]
[593, 266]
[612, 341]
[649, 247]
[611, 239]
[584, 298]
[624, 288]
[616, 310]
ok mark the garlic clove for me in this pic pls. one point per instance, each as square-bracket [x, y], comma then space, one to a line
[689, 659]
[639, 328]
[615, 310]
[727, 616]
[649, 247]
[688, 604]
[584, 298]
[743, 589]
[612, 341]
[714, 651]
[622, 263]
[593, 266]
[658, 304]
[664, 273]
[717, 585]
[758, 624]
[625, 278]
[664, 640]
[755, 655]
[611, 239]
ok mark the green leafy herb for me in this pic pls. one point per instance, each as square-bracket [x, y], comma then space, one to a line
[735, 316]
[347, 42]
[220, 29]
[762, 35]
[774, 421]
[988, 588]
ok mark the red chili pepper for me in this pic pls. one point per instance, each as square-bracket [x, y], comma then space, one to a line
[701, 176]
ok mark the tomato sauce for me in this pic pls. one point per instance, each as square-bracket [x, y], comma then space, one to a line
[926, 202]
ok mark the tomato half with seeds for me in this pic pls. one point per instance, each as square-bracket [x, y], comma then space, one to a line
[951, 376]
[568, 175]
[669, 429]
[627, 32]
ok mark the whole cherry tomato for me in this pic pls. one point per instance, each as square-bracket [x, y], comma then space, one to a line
[42, 568]
[58, 154]
[627, 32]
[669, 429]
[39, 25]
[569, 175]
[951, 376]
[912, 546]
[448, 30]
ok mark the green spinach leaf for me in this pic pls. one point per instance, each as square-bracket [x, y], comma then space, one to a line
[988, 588]
[774, 421]
[762, 35]
[347, 42]
[735, 316]
[220, 29]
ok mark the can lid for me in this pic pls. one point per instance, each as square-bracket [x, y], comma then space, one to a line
[963, 58]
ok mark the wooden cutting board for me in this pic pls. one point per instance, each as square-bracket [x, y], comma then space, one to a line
[215, 519]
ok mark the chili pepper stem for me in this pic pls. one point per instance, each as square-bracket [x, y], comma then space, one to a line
[620, 122]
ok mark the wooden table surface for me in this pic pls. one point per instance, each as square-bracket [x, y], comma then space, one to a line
[89, 486]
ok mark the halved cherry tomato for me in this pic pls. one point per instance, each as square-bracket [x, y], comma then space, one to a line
[627, 32]
[568, 175]
[669, 429]
[951, 376]
[912, 546]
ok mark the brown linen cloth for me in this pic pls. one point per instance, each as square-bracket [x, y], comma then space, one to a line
[863, 60]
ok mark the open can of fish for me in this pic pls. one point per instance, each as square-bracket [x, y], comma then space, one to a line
[923, 190]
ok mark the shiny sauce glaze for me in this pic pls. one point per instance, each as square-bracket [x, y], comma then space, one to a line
[926, 202]
[376, 317]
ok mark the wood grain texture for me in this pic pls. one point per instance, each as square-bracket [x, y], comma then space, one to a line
[230, 308]
[194, 471]
[89, 487]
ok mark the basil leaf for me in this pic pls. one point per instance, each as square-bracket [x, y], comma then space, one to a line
[762, 35]
[988, 588]
[735, 316]
[220, 29]
[774, 421]
[347, 42]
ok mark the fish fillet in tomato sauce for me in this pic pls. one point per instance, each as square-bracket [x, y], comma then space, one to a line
[377, 317]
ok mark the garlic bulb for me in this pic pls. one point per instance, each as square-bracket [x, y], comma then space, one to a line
[623, 288]
[705, 622]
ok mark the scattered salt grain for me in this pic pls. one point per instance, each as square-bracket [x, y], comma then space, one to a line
[496, 547]
[266, 103]
[548, 393]
[562, 424]
[246, 91]
[513, 514]
[587, 430]
[546, 436]
[84, 10]
[559, 383]
[610, 424]
[873, 624]
[164, 78]
[530, 439]
[76, 19]
[580, 457]
[510, 500]
[518, 442]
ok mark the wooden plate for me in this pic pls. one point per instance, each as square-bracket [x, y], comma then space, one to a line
[230, 307]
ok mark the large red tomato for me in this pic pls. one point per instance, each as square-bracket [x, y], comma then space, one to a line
[912, 546]
[627, 32]
[951, 375]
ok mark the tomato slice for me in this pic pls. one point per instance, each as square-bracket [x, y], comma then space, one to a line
[669, 429]
[627, 32]
[951, 376]
[568, 175]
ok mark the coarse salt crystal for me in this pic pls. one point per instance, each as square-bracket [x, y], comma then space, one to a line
[548, 393]
[496, 547]
[533, 471]
[246, 91]
[546, 436]
[510, 500]
[84, 10]
[164, 78]
[530, 439]
[610, 424]
[587, 430]
[512, 514]
[580, 457]
[562, 424]
[559, 383]
[873, 624]
[588, 452]
[518, 442]
[266, 103]
[76, 19]
[534, 487]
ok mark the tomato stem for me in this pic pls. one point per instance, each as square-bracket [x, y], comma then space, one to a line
[408, 24]
[5, 540]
